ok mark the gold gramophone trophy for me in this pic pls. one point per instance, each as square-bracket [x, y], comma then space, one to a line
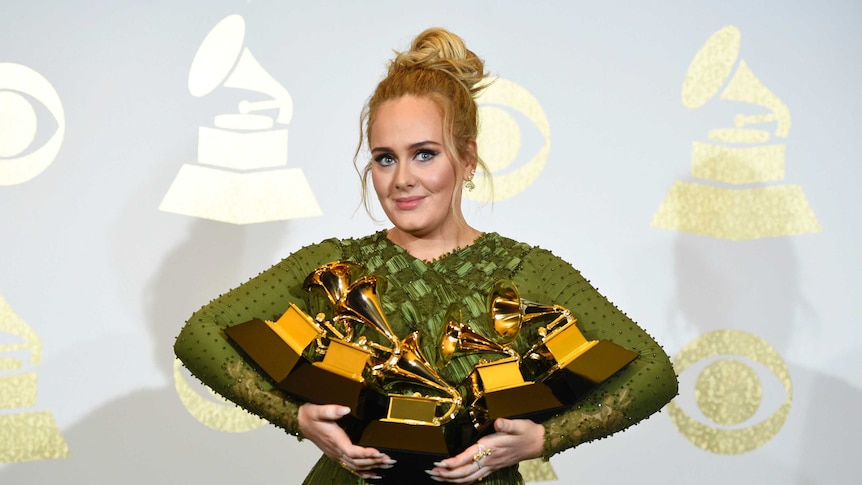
[418, 401]
[562, 357]
[494, 388]
[552, 374]
[400, 400]
[332, 371]
[401, 380]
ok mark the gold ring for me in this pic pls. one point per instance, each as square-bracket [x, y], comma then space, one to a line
[483, 452]
[344, 464]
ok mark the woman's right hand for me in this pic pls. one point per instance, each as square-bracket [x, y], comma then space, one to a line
[319, 423]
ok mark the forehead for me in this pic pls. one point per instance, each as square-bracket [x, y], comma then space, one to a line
[406, 120]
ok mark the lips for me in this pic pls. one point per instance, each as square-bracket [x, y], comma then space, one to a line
[408, 203]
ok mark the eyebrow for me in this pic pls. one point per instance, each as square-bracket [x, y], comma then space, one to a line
[413, 146]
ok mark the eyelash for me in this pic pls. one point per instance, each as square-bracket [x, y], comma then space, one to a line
[387, 159]
[431, 154]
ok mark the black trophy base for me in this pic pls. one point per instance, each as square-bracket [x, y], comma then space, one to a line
[415, 447]
[317, 385]
[534, 400]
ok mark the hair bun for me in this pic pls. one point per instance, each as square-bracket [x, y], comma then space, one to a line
[437, 49]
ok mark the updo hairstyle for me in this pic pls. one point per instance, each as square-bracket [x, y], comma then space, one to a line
[438, 67]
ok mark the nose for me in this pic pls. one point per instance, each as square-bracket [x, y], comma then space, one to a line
[404, 176]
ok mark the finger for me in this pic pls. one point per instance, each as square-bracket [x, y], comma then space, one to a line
[507, 426]
[331, 412]
[465, 467]
[362, 458]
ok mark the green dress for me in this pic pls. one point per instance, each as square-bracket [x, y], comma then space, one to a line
[416, 297]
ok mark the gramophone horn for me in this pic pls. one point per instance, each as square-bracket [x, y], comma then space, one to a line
[334, 278]
[458, 337]
[510, 312]
[223, 60]
[413, 368]
[362, 302]
[504, 304]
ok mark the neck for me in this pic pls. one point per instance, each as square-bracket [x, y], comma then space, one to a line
[429, 248]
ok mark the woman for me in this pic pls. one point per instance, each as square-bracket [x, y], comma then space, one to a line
[420, 126]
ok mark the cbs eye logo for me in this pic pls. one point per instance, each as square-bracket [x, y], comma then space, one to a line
[735, 414]
[500, 137]
[24, 95]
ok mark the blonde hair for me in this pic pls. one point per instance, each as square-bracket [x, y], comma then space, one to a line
[438, 67]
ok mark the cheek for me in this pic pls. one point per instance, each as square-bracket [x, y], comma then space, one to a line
[378, 182]
[442, 180]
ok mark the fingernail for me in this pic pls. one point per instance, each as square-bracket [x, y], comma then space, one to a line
[437, 463]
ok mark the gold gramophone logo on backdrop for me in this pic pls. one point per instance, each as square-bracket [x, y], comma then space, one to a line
[25, 434]
[500, 138]
[748, 154]
[20, 86]
[241, 175]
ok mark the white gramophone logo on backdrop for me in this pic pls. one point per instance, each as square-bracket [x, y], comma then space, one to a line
[241, 177]
[740, 156]
[19, 123]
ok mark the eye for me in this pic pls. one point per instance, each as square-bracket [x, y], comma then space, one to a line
[425, 155]
[385, 159]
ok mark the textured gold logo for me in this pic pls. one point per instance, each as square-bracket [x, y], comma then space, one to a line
[19, 123]
[500, 138]
[214, 411]
[24, 434]
[242, 176]
[742, 155]
[729, 391]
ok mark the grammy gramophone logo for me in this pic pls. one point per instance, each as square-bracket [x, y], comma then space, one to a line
[241, 176]
[26, 433]
[749, 156]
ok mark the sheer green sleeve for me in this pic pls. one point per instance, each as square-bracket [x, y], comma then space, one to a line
[634, 393]
[207, 352]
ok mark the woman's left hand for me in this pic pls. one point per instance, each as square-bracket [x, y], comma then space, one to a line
[515, 440]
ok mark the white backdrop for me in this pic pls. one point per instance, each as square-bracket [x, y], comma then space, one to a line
[97, 121]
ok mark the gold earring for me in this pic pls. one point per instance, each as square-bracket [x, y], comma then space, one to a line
[468, 184]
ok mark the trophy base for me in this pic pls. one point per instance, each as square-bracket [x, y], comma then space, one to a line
[260, 342]
[589, 370]
[314, 384]
[532, 400]
[415, 447]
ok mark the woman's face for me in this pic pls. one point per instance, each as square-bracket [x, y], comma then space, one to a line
[413, 176]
